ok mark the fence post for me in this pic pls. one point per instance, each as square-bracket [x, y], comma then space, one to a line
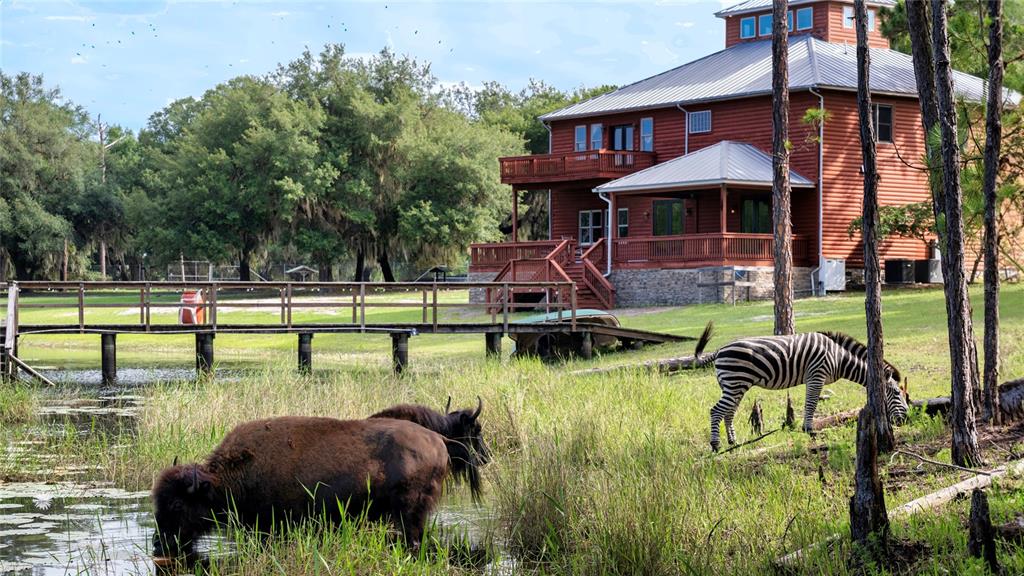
[281, 292]
[289, 294]
[213, 306]
[142, 306]
[399, 351]
[148, 301]
[572, 303]
[362, 306]
[81, 307]
[492, 340]
[424, 305]
[108, 347]
[353, 306]
[305, 352]
[504, 312]
[204, 354]
[435, 307]
[7, 369]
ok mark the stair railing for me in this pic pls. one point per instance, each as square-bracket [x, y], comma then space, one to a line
[594, 260]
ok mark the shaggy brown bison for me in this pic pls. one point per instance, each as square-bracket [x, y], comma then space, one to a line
[290, 468]
[463, 435]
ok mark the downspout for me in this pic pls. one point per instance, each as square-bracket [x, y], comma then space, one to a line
[608, 234]
[686, 129]
[821, 195]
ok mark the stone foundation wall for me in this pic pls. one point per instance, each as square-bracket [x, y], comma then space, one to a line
[681, 287]
[479, 295]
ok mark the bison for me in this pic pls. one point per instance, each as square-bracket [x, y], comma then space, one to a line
[294, 467]
[461, 429]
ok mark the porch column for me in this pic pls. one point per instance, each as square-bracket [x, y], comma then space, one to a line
[724, 212]
[515, 215]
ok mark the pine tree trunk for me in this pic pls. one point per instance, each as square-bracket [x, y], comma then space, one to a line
[872, 267]
[867, 505]
[961, 338]
[993, 135]
[781, 219]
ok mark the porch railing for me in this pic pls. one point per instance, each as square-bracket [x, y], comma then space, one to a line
[573, 165]
[494, 256]
[726, 248]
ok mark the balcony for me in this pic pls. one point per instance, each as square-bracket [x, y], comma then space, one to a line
[588, 165]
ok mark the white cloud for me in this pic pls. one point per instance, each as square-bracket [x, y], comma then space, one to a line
[68, 18]
[79, 60]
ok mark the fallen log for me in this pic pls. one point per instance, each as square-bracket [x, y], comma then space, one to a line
[834, 420]
[927, 502]
[665, 366]
[1011, 402]
[1012, 531]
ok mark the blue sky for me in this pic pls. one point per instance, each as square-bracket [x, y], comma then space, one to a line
[128, 59]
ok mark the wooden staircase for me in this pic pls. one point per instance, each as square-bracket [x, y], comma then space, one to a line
[563, 263]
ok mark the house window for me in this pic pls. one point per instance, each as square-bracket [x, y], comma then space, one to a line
[647, 134]
[756, 216]
[596, 136]
[849, 20]
[748, 27]
[622, 223]
[804, 18]
[668, 217]
[622, 137]
[700, 122]
[581, 138]
[764, 25]
[789, 20]
[591, 226]
[883, 123]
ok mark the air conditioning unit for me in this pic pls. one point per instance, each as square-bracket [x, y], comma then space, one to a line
[832, 275]
[928, 271]
[899, 271]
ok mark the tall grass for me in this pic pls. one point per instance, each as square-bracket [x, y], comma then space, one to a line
[598, 474]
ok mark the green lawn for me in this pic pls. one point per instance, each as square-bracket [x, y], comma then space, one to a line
[593, 474]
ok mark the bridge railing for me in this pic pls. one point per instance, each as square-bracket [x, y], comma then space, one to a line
[278, 306]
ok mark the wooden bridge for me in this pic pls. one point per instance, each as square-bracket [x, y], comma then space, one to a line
[291, 305]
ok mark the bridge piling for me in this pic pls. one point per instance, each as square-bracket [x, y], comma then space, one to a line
[108, 353]
[204, 354]
[493, 343]
[305, 352]
[400, 351]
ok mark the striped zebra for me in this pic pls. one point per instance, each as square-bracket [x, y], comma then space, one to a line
[777, 362]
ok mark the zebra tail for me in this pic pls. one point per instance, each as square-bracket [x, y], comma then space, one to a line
[705, 337]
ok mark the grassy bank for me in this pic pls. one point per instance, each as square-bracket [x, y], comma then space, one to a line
[607, 473]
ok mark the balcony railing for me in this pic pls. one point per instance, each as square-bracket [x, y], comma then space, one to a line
[587, 165]
[697, 249]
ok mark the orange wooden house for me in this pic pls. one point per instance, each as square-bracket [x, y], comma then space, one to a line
[660, 192]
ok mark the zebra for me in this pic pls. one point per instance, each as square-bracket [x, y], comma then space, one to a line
[777, 362]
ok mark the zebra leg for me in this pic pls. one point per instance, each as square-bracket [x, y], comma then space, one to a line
[725, 408]
[814, 386]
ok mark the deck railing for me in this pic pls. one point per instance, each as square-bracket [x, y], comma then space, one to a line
[726, 248]
[492, 257]
[573, 165]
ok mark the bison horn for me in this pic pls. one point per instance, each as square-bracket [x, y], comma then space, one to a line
[195, 480]
[448, 406]
[175, 463]
[479, 407]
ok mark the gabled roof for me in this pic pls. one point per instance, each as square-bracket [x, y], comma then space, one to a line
[745, 69]
[758, 5]
[728, 162]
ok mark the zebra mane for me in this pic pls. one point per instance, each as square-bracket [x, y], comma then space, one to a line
[858, 348]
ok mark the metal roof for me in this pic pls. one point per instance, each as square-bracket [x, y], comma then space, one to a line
[728, 162]
[758, 5]
[745, 69]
